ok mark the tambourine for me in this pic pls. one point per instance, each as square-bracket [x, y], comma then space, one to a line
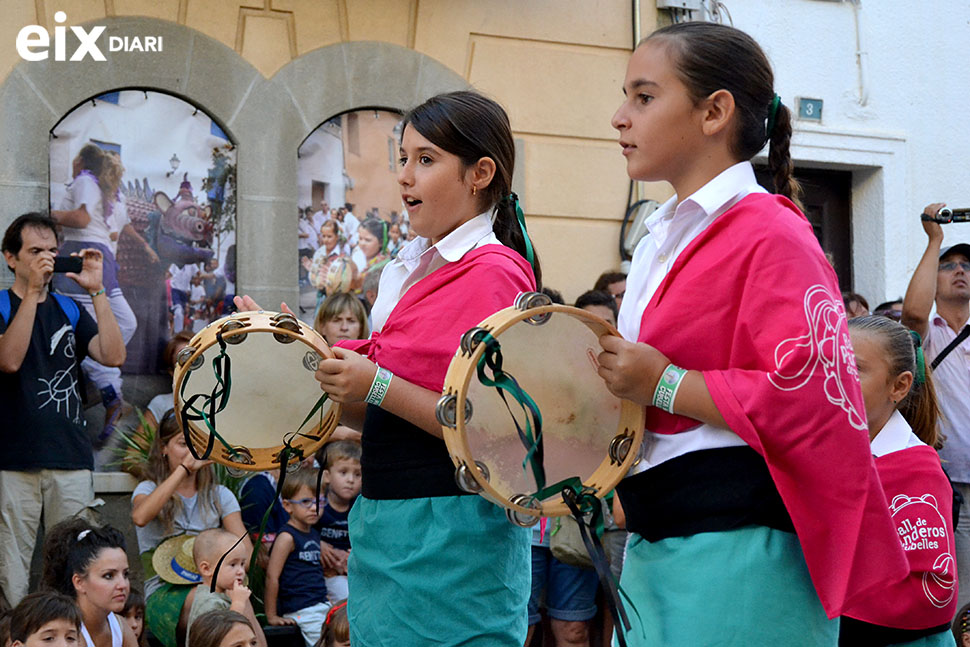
[547, 355]
[244, 391]
[341, 275]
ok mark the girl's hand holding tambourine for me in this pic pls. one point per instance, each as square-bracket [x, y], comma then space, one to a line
[348, 377]
[630, 370]
[245, 303]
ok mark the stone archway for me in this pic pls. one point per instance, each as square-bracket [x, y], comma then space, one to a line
[267, 118]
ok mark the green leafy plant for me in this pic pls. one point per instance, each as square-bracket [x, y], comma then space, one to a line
[132, 455]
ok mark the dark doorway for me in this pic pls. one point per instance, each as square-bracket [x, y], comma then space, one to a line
[826, 201]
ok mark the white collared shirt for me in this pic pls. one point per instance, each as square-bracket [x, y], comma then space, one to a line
[952, 380]
[419, 258]
[895, 436]
[672, 228]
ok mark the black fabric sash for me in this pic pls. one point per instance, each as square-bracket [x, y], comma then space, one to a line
[401, 461]
[853, 633]
[704, 491]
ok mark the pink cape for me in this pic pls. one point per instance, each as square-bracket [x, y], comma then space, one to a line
[423, 331]
[921, 504]
[753, 303]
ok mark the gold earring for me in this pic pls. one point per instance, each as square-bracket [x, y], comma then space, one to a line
[474, 189]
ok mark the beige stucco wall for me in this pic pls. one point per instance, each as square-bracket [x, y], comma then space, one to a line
[557, 65]
[372, 168]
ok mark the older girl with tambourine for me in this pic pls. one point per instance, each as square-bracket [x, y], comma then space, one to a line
[419, 541]
[756, 501]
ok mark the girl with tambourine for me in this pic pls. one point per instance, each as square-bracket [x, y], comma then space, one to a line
[756, 503]
[420, 543]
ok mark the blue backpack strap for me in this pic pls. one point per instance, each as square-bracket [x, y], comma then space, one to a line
[67, 304]
[70, 308]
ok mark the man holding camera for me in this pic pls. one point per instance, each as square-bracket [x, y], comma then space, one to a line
[47, 458]
[943, 278]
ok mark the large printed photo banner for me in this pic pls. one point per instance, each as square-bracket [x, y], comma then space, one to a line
[157, 176]
[350, 217]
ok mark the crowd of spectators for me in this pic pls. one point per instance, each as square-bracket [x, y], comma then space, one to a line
[196, 537]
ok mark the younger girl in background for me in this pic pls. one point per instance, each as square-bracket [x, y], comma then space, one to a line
[223, 628]
[336, 629]
[756, 500]
[902, 412]
[179, 496]
[90, 565]
[134, 614]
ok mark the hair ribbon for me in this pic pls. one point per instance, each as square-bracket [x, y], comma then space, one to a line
[529, 253]
[333, 610]
[920, 358]
[772, 115]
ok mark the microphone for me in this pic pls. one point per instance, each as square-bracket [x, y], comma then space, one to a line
[946, 215]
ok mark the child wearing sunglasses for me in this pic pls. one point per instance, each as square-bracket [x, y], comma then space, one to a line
[296, 591]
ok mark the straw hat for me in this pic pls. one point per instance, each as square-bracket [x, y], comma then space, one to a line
[173, 561]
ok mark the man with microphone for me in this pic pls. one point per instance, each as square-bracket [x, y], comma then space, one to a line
[942, 278]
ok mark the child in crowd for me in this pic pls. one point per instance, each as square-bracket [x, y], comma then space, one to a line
[756, 476]
[223, 628]
[902, 412]
[341, 317]
[296, 592]
[336, 628]
[134, 614]
[90, 565]
[44, 619]
[179, 496]
[342, 474]
[961, 627]
[5, 627]
[394, 239]
[599, 302]
[332, 247]
[229, 592]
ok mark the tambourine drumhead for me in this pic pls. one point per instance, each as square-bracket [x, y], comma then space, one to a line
[555, 363]
[272, 389]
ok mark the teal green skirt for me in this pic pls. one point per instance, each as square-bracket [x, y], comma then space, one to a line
[436, 571]
[739, 588]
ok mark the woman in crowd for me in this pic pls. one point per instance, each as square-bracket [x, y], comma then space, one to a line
[371, 251]
[341, 317]
[90, 565]
[180, 496]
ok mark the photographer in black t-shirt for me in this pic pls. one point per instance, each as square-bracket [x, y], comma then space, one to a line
[46, 457]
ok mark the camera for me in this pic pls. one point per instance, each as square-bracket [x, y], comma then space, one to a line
[68, 264]
[946, 215]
